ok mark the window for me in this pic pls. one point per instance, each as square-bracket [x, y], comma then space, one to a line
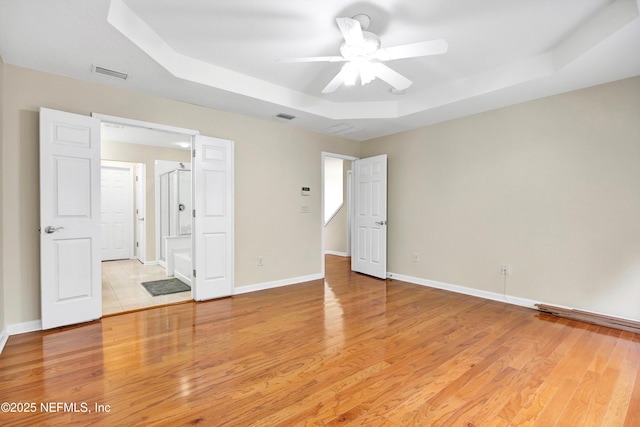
[333, 187]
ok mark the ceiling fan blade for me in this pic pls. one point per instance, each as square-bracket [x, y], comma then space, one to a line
[313, 59]
[392, 77]
[336, 82]
[412, 50]
[351, 31]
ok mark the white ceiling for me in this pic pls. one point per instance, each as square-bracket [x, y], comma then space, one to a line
[224, 54]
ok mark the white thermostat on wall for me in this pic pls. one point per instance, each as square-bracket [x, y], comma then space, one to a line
[305, 191]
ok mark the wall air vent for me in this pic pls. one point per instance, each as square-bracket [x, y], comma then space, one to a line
[108, 72]
[285, 116]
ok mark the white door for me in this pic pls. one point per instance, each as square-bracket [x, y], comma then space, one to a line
[369, 252]
[117, 220]
[140, 198]
[213, 234]
[70, 276]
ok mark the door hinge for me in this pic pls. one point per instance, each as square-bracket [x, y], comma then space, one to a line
[137, 244]
[194, 273]
[194, 153]
[136, 178]
[194, 213]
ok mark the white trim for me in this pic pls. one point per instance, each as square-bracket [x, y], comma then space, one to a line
[276, 284]
[349, 209]
[509, 299]
[4, 336]
[336, 253]
[22, 328]
[150, 263]
[18, 328]
[143, 124]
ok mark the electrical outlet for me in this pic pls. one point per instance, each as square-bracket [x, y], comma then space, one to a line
[304, 208]
[416, 257]
[505, 270]
[260, 262]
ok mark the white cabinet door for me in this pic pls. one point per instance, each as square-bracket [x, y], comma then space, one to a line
[213, 235]
[369, 255]
[71, 290]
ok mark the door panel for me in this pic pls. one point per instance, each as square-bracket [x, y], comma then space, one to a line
[71, 290]
[370, 216]
[116, 213]
[213, 222]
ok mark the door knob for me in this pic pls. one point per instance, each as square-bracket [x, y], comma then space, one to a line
[383, 222]
[49, 229]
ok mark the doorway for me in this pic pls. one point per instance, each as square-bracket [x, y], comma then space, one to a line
[143, 148]
[336, 205]
[70, 228]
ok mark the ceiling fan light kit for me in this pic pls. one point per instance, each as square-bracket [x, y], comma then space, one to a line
[363, 56]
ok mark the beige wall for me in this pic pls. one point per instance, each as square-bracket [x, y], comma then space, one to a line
[272, 162]
[550, 187]
[136, 153]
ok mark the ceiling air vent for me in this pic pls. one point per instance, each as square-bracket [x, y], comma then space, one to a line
[111, 73]
[285, 116]
[342, 129]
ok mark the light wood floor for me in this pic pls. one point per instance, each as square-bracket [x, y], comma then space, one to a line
[350, 350]
[122, 290]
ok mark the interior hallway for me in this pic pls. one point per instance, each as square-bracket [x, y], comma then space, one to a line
[122, 289]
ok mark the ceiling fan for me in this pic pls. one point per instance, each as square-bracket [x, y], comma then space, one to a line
[364, 58]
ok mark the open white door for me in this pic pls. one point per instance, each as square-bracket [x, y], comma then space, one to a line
[213, 235]
[70, 277]
[369, 252]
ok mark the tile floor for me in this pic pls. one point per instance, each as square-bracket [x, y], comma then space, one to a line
[122, 291]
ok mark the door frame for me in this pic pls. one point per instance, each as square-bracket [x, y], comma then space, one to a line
[323, 156]
[105, 118]
[140, 237]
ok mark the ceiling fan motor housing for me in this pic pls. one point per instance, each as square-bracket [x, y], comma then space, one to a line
[370, 45]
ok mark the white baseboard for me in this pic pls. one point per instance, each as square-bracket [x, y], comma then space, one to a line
[509, 299]
[344, 254]
[276, 284]
[4, 336]
[21, 328]
[150, 263]
[18, 328]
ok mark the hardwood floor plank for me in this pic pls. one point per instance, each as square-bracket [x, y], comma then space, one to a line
[347, 350]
